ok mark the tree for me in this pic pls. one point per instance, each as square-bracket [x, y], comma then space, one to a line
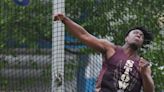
[25, 25]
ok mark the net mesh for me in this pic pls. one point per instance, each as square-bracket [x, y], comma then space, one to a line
[58, 49]
[30, 61]
[110, 19]
[25, 57]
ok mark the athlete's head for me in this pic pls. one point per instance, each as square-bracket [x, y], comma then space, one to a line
[138, 36]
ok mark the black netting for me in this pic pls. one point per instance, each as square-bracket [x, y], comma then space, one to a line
[25, 56]
[110, 19]
[26, 42]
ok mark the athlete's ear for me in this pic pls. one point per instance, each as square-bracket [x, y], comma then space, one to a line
[126, 38]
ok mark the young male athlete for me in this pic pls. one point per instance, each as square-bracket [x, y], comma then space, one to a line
[123, 69]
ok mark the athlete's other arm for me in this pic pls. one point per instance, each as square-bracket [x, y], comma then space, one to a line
[79, 32]
[145, 70]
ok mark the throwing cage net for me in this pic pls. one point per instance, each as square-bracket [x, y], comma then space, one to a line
[26, 42]
[39, 55]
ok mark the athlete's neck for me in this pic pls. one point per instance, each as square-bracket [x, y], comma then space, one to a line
[130, 50]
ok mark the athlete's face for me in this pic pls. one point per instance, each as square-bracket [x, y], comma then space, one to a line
[135, 37]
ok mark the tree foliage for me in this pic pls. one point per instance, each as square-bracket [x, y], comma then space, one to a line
[112, 18]
[25, 25]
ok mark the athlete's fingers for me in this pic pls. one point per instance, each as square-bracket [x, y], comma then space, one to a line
[58, 16]
[143, 63]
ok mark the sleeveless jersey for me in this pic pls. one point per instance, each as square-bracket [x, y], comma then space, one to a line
[119, 74]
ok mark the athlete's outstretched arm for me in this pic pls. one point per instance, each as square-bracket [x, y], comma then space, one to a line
[80, 33]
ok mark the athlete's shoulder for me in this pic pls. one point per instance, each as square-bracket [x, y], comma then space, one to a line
[108, 44]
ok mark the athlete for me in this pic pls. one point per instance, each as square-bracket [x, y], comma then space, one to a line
[123, 70]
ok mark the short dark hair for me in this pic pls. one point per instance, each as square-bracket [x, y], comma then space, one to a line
[148, 36]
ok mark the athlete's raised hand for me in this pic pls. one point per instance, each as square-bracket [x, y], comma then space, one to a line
[58, 17]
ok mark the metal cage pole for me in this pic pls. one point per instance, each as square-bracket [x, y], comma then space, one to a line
[58, 49]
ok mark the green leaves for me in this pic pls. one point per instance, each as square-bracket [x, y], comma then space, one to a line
[25, 25]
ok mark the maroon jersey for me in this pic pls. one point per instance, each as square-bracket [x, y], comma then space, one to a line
[119, 74]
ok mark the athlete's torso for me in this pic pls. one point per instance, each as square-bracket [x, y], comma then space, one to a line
[119, 74]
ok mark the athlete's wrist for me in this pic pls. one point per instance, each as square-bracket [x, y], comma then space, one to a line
[145, 74]
[64, 19]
